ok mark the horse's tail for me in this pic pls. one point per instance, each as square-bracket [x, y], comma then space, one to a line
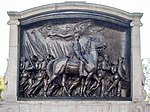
[49, 68]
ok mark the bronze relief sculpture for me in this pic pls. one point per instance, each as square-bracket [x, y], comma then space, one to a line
[74, 59]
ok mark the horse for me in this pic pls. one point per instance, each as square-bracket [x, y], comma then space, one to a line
[65, 66]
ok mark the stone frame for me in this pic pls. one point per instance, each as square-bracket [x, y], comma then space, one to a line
[136, 105]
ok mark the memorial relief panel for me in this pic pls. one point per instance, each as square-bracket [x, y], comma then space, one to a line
[69, 57]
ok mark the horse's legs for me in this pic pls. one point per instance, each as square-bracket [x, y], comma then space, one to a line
[96, 83]
[73, 86]
[63, 84]
[82, 86]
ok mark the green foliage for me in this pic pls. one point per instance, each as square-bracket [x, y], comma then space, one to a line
[1, 85]
[146, 71]
[148, 98]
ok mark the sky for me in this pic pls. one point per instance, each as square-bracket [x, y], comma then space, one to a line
[20, 5]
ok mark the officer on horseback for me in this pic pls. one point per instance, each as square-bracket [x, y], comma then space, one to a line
[78, 52]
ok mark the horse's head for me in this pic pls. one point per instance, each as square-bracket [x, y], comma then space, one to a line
[97, 44]
[93, 44]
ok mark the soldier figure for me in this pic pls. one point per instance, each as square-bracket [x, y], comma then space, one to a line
[24, 77]
[78, 53]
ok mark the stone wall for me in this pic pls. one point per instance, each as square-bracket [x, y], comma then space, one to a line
[72, 107]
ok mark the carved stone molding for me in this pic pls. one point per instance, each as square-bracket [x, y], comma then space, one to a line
[136, 23]
[14, 18]
[136, 19]
[13, 22]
